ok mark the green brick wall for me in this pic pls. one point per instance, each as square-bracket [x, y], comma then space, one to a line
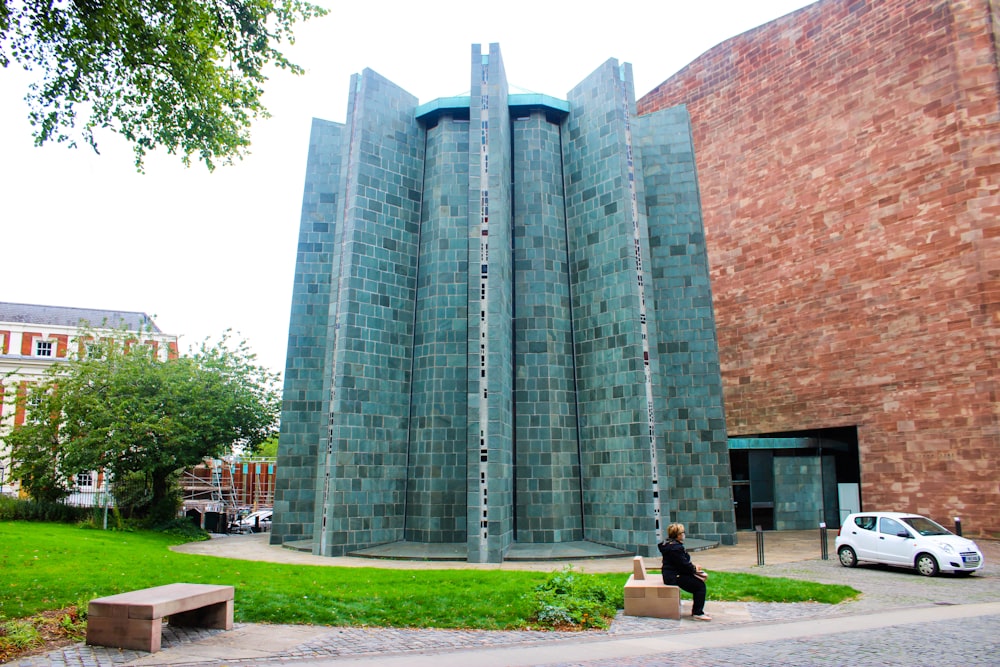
[547, 451]
[437, 470]
[611, 388]
[491, 465]
[801, 481]
[364, 472]
[501, 327]
[696, 455]
[306, 405]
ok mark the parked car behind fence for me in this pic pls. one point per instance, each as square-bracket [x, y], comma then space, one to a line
[255, 522]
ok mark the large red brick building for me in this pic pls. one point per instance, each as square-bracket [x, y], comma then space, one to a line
[849, 164]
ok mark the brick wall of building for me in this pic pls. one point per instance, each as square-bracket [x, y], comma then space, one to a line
[849, 162]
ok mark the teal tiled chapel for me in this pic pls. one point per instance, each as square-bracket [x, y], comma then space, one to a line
[501, 332]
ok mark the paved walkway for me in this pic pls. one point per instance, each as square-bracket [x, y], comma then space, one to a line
[938, 621]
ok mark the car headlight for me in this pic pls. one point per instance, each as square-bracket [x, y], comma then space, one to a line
[947, 548]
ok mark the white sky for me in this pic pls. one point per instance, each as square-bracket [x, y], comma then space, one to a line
[204, 252]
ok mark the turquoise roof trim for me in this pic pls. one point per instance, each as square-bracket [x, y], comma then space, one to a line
[443, 104]
[521, 100]
[772, 443]
[538, 100]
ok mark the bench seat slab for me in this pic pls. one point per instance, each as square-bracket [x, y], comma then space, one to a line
[134, 620]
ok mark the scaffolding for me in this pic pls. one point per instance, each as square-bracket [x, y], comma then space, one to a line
[253, 480]
[208, 488]
[228, 486]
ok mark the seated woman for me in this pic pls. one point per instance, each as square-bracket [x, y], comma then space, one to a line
[678, 570]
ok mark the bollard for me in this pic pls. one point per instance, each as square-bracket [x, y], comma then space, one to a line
[760, 546]
[824, 545]
[958, 526]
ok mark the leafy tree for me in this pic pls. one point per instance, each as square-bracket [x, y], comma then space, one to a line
[186, 75]
[122, 410]
[266, 450]
[35, 446]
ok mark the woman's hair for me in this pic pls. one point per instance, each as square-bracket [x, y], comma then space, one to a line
[675, 529]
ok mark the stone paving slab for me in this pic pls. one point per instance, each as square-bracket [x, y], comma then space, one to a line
[779, 547]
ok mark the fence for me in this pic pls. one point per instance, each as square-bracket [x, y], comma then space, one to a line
[224, 484]
[96, 491]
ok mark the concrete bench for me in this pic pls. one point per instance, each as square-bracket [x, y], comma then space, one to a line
[135, 620]
[645, 596]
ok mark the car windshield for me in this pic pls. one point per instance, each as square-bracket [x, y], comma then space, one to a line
[925, 526]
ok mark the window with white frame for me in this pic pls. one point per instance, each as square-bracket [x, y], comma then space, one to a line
[143, 348]
[43, 348]
[84, 479]
[33, 403]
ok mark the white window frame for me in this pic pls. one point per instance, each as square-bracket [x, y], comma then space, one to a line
[46, 345]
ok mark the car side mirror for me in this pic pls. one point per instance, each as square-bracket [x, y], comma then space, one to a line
[902, 533]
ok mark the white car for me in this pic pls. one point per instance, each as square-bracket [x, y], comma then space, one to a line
[906, 540]
[257, 522]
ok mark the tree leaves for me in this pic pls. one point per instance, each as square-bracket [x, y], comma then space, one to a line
[184, 75]
[122, 410]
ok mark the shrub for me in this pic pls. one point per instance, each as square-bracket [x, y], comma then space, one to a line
[73, 622]
[181, 527]
[18, 635]
[570, 599]
[16, 509]
[106, 518]
[25, 634]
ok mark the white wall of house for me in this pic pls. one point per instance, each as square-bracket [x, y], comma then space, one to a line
[33, 338]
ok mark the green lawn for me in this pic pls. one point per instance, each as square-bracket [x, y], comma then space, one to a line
[51, 566]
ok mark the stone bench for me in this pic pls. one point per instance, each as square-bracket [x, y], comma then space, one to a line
[135, 620]
[645, 596]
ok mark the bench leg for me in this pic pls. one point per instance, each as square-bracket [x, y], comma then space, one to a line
[132, 633]
[218, 615]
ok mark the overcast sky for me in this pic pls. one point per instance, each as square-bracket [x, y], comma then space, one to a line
[204, 252]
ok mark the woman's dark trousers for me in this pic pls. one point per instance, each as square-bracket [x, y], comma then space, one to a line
[694, 586]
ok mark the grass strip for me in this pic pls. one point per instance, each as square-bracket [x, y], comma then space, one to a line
[51, 566]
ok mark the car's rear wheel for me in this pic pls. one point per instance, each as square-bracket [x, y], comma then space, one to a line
[927, 565]
[847, 556]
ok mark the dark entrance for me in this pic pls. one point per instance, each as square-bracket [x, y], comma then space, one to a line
[794, 481]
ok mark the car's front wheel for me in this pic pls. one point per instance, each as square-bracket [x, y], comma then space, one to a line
[927, 565]
[847, 556]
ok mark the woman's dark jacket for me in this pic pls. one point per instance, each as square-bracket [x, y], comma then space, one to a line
[675, 560]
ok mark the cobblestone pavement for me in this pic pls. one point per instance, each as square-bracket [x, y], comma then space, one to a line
[960, 642]
[970, 641]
